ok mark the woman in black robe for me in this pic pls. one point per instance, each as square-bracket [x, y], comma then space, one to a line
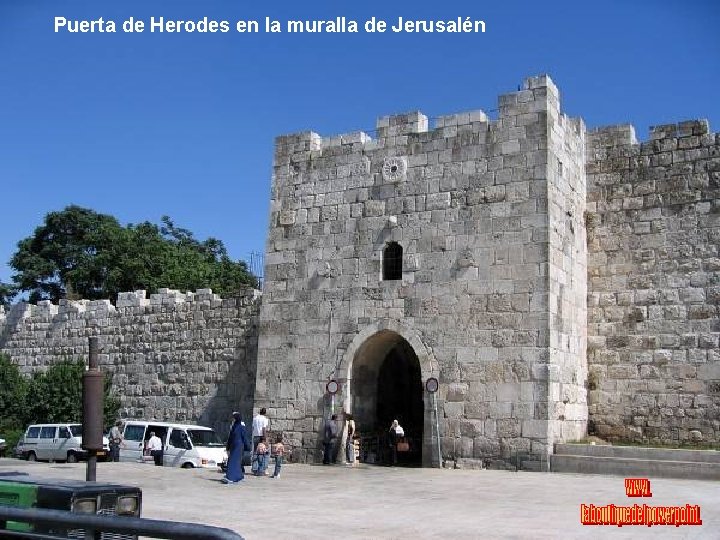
[238, 442]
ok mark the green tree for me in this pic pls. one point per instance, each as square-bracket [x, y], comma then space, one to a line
[7, 292]
[66, 256]
[80, 253]
[52, 396]
[57, 395]
[13, 395]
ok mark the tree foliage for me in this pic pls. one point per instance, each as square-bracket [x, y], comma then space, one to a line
[52, 396]
[78, 253]
[13, 395]
[7, 292]
[57, 395]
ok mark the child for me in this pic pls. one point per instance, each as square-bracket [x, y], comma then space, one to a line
[261, 454]
[279, 450]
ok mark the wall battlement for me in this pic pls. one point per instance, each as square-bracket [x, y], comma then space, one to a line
[173, 356]
[624, 135]
[676, 147]
[393, 130]
[136, 299]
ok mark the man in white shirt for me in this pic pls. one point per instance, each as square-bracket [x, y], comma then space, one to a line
[259, 426]
[154, 444]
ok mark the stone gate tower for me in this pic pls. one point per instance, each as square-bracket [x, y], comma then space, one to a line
[455, 252]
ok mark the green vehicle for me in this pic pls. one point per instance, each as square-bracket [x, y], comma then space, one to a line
[22, 491]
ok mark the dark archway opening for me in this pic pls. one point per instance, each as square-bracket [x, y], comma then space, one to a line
[387, 386]
[399, 397]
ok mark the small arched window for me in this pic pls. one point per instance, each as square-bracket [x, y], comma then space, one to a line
[392, 261]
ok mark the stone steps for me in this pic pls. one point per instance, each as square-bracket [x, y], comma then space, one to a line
[638, 452]
[630, 461]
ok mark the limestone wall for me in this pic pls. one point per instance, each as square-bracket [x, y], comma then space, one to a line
[551, 279]
[654, 283]
[567, 297]
[468, 202]
[173, 356]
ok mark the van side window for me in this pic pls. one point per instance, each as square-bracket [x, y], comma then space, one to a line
[47, 432]
[64, 433]
[134, 433]
[33, 432]
[176, 438]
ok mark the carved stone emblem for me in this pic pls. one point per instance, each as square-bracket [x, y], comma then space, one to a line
[394, 169]
[360, 168]
[466, 259]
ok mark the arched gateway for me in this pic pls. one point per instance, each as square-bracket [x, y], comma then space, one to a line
[382, 253]
[385, 367]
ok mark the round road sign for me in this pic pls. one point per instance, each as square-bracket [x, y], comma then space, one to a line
[432, 385]
[332, 387]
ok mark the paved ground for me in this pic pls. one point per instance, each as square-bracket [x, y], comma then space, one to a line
[374, 502]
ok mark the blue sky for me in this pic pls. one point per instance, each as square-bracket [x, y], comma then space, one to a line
[142, 125]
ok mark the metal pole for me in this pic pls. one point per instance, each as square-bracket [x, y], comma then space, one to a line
[90, 404]
[437, 430]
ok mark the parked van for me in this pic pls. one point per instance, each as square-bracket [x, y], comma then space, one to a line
[55, 442]
[184, 445]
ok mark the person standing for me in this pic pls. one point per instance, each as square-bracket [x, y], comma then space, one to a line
[116, 440]
[395, 434]
[279, 451]
[238, 443]
[350, 443]
[156, 449]
[329, 435]
[261, 454]
[259, 426]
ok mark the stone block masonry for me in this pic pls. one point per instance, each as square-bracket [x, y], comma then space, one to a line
[489, 215]
[173, 356]
[555, 281]
[653, 215]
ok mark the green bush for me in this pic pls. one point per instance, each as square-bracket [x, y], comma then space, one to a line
[13, 393]
[51, 396]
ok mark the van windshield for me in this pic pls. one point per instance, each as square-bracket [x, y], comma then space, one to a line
[205, 437]
[76, 430]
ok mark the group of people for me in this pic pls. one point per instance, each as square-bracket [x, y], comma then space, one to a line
[330, 435]
[153, 446]
[239, 443]
[395, 437]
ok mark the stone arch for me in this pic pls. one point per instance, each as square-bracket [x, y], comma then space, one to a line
[428, 364]
[367, 355]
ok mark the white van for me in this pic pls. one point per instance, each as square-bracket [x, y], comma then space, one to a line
[184, 445]
[55, 442]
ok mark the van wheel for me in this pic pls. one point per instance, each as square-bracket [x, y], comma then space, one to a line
[31, 456]
[71, 458]
[187, 465]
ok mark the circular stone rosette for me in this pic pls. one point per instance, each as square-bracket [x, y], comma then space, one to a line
[394, 169]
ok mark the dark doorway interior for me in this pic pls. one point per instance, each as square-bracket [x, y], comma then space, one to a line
[399, 397]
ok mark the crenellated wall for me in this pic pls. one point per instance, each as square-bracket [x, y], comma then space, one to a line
[553, 281]
[173, 356]
[653, 219]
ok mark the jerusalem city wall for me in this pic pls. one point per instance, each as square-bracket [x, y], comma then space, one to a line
[556, 282]
[653, 220]
[173, 356]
